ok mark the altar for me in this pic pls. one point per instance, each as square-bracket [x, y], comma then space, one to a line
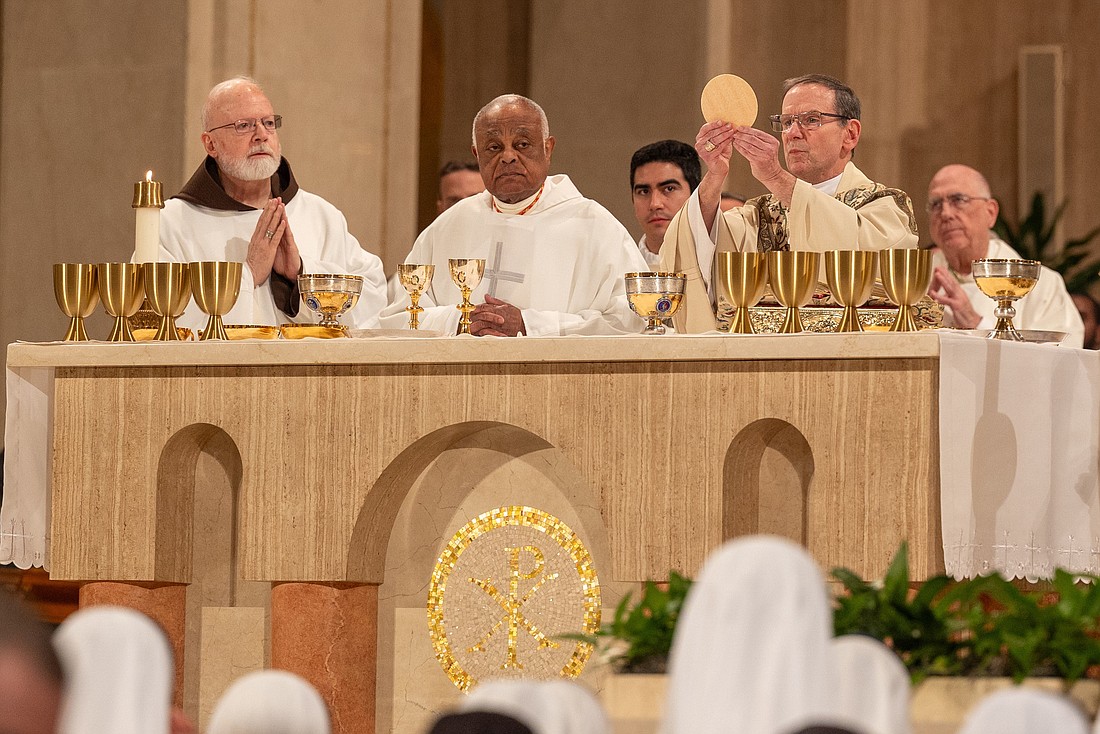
[283, 503]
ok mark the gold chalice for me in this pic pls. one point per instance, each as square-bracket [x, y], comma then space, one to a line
[742, 277]
[168, 291]
[906, 275]
[76, 288]
[122, 290]
[851, 276]
[655, 297]
[415, 279]
[330, 295]
[466, 274]
[1005, 281]
[793, 275]
[215, 286]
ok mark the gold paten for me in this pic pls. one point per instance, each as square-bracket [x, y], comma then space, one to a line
[1005, 281]
[76, 288]
[792, 275]
[906, 275]
[167, 291]
[316, 331]
[502, 593]
[251, 331]
[121, 289]
[466, 274]
[415, 279]
[850, 275]
[655, 296]
[216, 286]
[742, 277]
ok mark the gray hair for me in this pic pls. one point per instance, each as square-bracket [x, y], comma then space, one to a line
[217, 91]
[508, 99]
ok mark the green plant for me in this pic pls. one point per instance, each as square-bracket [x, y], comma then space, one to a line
[1033, 235]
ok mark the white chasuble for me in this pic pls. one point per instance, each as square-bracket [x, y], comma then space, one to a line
[562, 264]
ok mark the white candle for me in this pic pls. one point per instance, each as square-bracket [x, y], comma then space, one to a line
[147, 206]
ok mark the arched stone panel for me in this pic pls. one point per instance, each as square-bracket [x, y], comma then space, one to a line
[767, 475]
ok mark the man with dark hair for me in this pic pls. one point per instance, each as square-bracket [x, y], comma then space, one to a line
[662, 177]
[457, 180]
[820, 201]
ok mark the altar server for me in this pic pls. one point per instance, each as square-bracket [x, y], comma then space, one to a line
[961, 211]
[820, 201]
[243, 204]
[522, 706]
[750, 653]
[872, 685]
[554, 260]
[1025, 711]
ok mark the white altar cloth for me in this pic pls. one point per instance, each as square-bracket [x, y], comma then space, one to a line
[1019, 442]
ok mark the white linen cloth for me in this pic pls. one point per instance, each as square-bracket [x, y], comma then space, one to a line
[118, 673]
[25, 515]
[871, 686]
[1025, 711]
[270, 702]
[544, 707]
[1019, 487]
[750, 652]
[562, 264]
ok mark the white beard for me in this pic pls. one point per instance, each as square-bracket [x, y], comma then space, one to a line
[251, 169]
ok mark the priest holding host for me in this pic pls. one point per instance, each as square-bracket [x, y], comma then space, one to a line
[961, 211]
[244, 205]
[554, 260]
[820, 201]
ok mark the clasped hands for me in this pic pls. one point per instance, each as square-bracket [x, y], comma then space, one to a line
[272, 246]
[946, 291]
[496, 318]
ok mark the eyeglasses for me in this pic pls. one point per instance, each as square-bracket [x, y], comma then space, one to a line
[806, 120]
[957, 201]
[271, 123]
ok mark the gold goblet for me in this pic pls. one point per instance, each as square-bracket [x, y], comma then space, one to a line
[850, 275]
[466, 274]
[168, 291]
[742, 277]
[122, 290]
[906, 275]
[215, 286]
[415, 279]
[76, 288]
[330, 295]
[793, 275]
[1005, 281]
[655, 297]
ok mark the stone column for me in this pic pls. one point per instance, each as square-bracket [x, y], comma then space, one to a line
[165, 604]
[328, 634]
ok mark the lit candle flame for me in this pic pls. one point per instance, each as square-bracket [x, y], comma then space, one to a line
[148, 175]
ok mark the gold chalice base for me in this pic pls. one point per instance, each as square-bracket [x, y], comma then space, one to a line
[148, 335]
[315, 331]
[768, 318]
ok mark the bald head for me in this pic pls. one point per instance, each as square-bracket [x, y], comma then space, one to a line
[226, 94]
[960, 174]
[504, 101]
[961, 212]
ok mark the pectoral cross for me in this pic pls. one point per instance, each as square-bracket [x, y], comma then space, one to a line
[495, 274]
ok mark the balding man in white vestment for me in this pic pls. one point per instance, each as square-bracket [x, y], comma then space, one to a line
[554, 260]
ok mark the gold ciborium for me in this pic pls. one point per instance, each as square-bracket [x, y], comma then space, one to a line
[793, 275]
[655, 297]
[466, 274]
[215, 286]
[330, 295]
[1005, 281]
[415, 279]
[168, 291]
[851, 276]
[906, 275]
[742, 277]
[122, 290]
[76, 288]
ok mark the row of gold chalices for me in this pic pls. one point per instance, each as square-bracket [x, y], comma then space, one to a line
[906, 275]
[122, 287]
